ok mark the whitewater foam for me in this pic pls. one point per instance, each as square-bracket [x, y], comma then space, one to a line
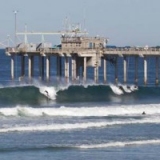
[116, 89]
[53, 127]
[126, 89]
[76, 126]
[120, 144]
[49, 92]
[99, 111]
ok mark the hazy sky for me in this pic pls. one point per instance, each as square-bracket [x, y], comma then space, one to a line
[124, 22]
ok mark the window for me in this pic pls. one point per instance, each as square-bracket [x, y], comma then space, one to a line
[90, 45]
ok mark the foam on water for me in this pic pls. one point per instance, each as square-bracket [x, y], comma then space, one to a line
[116, 89]
[120, 144]
[49, 92]
[100, 111]
[126, 89]
[75, 126]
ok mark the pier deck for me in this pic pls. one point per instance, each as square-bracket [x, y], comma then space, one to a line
[87, 51]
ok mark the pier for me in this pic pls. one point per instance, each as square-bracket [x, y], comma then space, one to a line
[78, 52]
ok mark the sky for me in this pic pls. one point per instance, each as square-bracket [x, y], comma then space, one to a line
[123, 22]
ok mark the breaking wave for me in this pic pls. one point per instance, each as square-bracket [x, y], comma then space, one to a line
[41, 94]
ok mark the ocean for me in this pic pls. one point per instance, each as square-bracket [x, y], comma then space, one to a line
[79, 121]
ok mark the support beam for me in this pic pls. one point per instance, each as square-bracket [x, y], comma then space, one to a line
[47, 68]
[125, 69]
[12, 67]
[59, 68]
[157, 70]
[32, 66]
[136, 69]
[66, 68]
[77, 68]
[84, 69]
[96, 74]
[96, 68]
[145, 70]
[29, 67]
[42, 60]
[73, 68]
[41, 67]
[22, 67]
[67, 65]
[116, 70]
[105, 69]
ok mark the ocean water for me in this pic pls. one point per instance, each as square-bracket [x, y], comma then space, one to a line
[79, 121]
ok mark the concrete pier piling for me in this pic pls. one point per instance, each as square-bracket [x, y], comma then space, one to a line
[30, 66]
[66, 68]
[116, 70]
[47, 68]
[41, 67]
[145, 70]
[84, 69]
[12, 67]
[73, 68]
[22, 66]
[157, 70]
[125, 69]
[59, 68]
[136, 69]
[105, 70]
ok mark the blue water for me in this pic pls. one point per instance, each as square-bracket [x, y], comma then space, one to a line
[79, 121]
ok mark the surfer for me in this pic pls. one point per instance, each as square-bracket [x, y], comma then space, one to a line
[47, 94]
[135, 87]
[143, 113]
[128, 87]
[120, 87]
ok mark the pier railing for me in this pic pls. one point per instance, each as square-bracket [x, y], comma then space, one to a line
[87, 51]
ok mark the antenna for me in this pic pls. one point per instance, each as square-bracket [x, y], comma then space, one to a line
[66, 24]
[15, 14]
[15, 41]
[84, 16]
[25, 35]
[8, 37]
